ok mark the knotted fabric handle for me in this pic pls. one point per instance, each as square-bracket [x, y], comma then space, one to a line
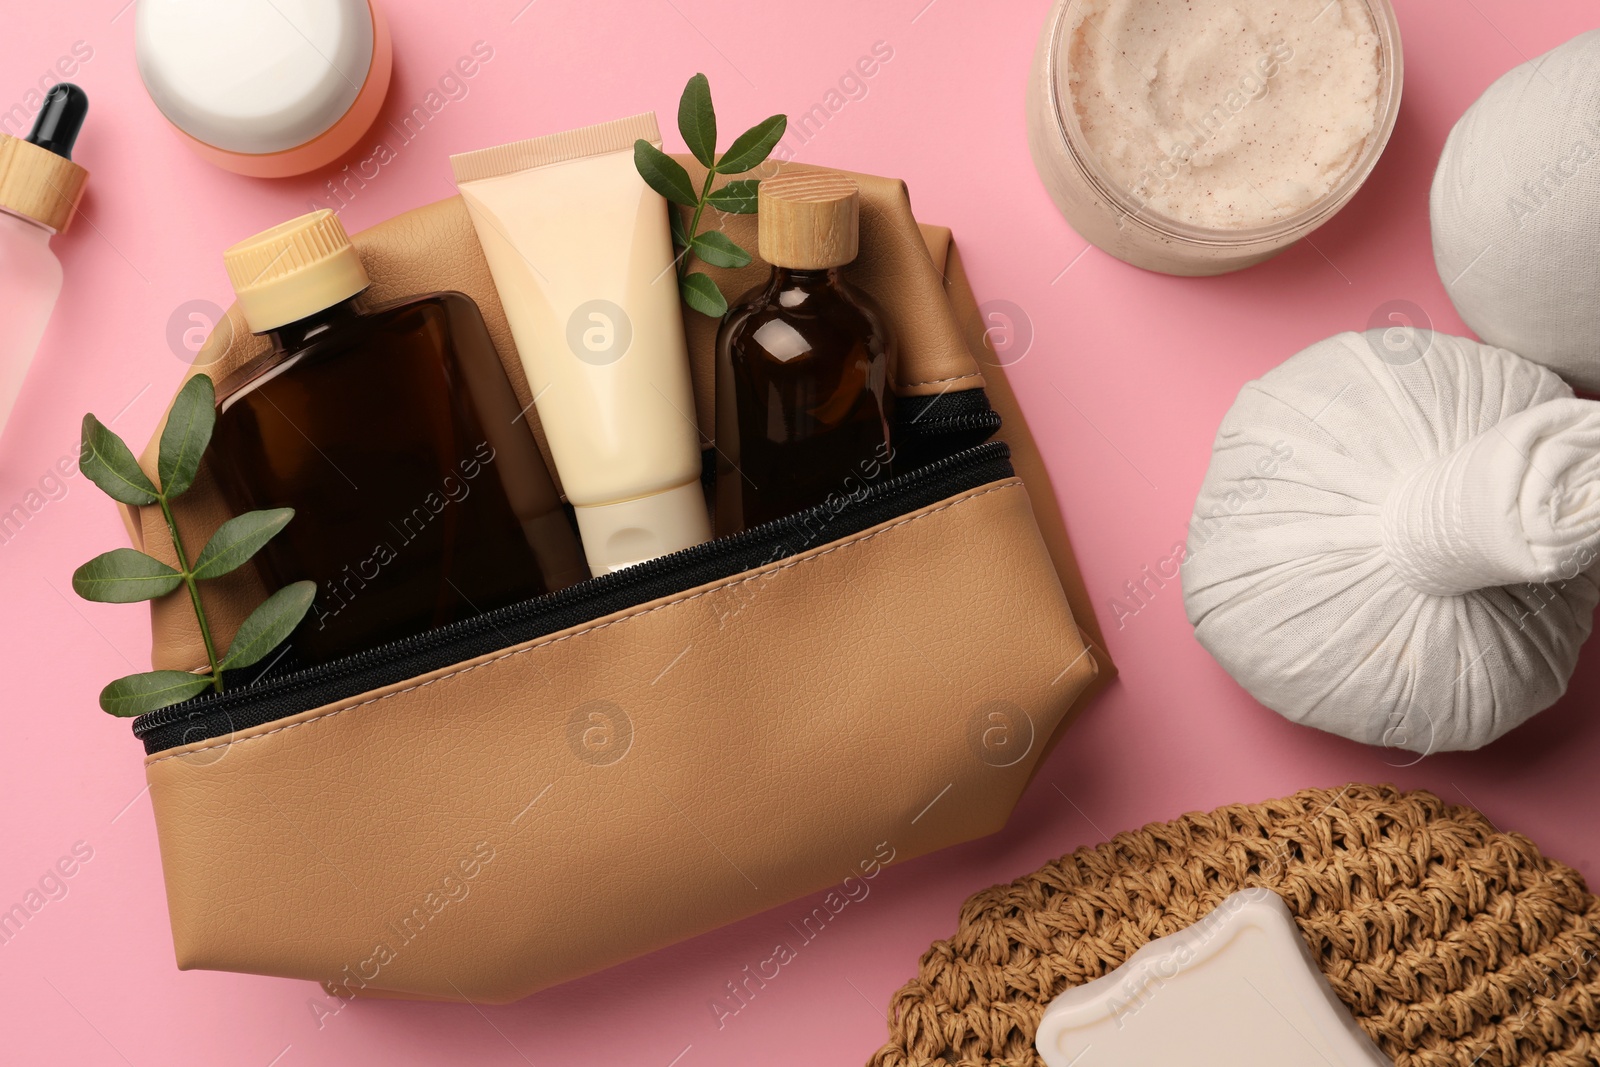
[1519, 503]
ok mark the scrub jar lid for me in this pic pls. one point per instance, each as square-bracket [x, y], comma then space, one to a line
[1202, 136]
[256, 77]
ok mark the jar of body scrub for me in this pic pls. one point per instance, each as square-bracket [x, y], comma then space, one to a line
[1198, 137]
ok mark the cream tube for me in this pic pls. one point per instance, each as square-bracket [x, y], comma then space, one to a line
[581, 253]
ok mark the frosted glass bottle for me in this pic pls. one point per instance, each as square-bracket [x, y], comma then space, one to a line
[39, 191]
[30, 281]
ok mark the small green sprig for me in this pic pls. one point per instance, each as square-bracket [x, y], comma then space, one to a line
[697, 122]
[126, 576]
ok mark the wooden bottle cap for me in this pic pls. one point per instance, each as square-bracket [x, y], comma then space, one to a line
[809, 221]
[38, 183]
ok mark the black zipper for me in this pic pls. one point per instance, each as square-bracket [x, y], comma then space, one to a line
[927, 427]
[267, 700]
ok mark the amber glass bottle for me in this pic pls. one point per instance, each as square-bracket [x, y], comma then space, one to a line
[420, 496]
[804, 398]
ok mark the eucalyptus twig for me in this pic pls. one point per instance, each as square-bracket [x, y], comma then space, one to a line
[697, 122]
[125, 576]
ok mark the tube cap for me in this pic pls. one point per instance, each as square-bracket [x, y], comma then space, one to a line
[37, 176]
[633, 531]
[293, 270]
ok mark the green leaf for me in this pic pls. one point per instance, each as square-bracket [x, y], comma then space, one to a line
[238, 539]
[139, 693]
[717, 249]
[753, 145]
[124, 576]
[663, 173]
[737, 197]
[702, 294]
[187, 433]
[107, 463]
[680, 229]
[697, 120]
[270, 624]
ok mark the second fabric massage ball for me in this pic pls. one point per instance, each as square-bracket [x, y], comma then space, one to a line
[1398, 539]
[1516, 212]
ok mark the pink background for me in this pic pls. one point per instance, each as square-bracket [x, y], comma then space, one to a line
[1149, 363]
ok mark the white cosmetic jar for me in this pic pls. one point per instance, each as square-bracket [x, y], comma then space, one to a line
[265, 88]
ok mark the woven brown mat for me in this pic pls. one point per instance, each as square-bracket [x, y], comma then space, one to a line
[1450, 941]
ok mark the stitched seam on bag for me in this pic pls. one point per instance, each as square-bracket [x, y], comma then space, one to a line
[727, 583]
[941, 381]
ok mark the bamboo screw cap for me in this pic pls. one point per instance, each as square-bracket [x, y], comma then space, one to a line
[809, 221]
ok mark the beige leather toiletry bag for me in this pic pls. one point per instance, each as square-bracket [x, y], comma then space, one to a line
[532, 795]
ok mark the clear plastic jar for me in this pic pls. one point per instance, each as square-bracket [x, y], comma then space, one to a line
[1105, 213]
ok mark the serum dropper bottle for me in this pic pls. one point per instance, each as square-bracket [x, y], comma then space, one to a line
[39, 191]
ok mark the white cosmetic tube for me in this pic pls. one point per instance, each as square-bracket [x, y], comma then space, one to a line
[581, 254]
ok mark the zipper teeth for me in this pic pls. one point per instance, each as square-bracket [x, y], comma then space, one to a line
[642, 575]
[975, 420]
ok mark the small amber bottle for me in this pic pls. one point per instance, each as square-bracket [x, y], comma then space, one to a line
[804, 397]
[420, 495]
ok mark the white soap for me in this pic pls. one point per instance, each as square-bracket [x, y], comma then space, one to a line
[1237, 989]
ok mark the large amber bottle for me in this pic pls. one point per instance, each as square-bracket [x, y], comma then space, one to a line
[420, 495]
[804, 397]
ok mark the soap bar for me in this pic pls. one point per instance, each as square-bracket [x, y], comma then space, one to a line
[1237, 989]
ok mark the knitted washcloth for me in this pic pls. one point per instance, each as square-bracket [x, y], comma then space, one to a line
[1450, 941]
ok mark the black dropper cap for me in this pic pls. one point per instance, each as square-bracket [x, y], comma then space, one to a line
[60, 119]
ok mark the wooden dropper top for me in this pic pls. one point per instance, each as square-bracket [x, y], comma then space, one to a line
[809, 221]
[37, 176]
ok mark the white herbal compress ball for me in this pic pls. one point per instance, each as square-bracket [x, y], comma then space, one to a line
[1397, 539]
[1516, 212]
